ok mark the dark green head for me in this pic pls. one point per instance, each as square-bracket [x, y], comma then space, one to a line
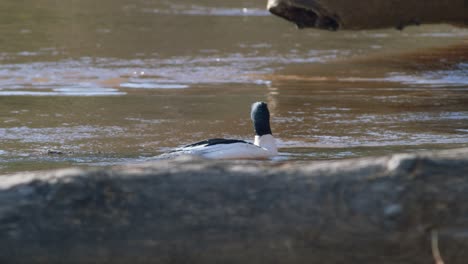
[261, 118]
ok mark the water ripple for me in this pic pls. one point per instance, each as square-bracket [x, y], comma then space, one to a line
[57, 134]
[195, 10]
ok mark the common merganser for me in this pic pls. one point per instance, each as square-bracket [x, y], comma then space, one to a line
[264, 145]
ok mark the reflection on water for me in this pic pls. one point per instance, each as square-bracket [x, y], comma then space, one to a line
[122, 81]
[196, 10]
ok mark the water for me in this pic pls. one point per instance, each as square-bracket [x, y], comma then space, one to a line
[110, 82]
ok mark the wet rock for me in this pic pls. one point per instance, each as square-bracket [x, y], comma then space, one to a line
[368, 14]
[370, 210]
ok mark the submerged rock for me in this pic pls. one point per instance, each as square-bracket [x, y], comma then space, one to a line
[369, 14]
[369, 210]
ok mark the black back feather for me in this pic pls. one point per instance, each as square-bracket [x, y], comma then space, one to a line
[216, 141]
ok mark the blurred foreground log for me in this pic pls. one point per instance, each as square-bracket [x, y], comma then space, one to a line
[370, 210]
[370, 14]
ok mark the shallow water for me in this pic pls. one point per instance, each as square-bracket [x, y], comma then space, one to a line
[121, 81]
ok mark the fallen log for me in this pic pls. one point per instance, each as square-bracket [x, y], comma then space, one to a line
[369, 14]
[369, 210]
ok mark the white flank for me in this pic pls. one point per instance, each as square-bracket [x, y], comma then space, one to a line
[229, 151]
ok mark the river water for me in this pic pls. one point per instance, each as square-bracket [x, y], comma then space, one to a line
[112, 81]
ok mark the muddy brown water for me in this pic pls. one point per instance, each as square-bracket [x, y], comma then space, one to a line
[108, 82]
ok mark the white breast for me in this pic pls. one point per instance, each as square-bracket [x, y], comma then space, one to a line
[267, 142]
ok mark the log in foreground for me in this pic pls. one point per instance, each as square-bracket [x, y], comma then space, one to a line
[369, 14]
[369, 210]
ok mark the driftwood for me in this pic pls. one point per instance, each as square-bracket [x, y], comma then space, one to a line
[370, 210]
[370, 14]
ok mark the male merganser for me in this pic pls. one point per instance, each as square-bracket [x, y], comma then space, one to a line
[264, 145]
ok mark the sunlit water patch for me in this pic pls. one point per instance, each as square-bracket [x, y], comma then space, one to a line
[396, 119]
[56, 135]
[199, 9]
[376, 138]
[107, 77]
[66, 91]
[137, 84]
[456, 76]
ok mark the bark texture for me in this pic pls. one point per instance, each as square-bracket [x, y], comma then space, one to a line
[370, 210]
[369, 14]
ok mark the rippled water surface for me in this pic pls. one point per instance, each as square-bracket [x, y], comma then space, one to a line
[104, 82]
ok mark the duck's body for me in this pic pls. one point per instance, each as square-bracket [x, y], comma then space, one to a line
[221, 148]
[264, 145]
